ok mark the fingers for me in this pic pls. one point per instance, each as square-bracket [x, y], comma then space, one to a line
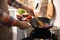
[22, 24]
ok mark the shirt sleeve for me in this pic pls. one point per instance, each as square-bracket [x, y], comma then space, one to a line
[14, 3]
[6, 20]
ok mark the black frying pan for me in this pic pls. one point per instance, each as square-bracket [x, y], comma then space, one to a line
[35, 23]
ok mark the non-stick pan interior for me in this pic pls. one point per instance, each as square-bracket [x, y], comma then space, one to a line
[35, 24]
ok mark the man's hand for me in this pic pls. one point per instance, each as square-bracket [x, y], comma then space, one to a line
[29, 10]
[45, 26]
[22, 24]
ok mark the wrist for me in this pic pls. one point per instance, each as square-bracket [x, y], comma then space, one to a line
[13, 21]
[24, 7]
[17, 23]
[18, 5]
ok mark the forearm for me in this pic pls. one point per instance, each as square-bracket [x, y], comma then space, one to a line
[19, 5]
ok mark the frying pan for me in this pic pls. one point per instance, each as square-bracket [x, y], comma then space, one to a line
[35, 24]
